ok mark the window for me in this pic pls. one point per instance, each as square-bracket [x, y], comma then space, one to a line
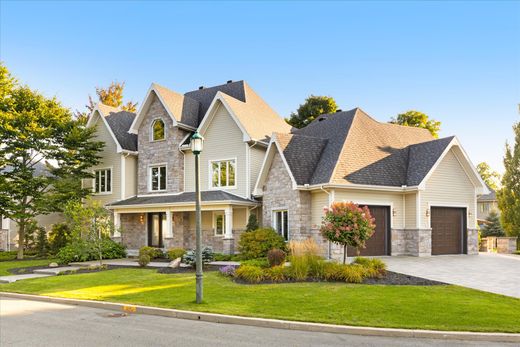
[281, 223]
[219, 223]
[223, 173]
[103, 181]
[157, 130]
[158, 178]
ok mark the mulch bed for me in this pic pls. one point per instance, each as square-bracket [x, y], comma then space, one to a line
[391, 278]
[169, 270]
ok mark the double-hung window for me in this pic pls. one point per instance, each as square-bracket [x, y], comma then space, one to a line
[281, 223]
[158, 178]
[103, 181]
[223, 173]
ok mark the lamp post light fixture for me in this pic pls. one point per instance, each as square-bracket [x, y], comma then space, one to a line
[196, 145]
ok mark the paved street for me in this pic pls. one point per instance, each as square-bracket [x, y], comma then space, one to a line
[33, 323]
[487, 271]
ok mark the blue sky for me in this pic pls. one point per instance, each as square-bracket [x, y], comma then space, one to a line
[458, 62]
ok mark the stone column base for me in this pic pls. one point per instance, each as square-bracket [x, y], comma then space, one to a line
[228, 246]
[472, 242]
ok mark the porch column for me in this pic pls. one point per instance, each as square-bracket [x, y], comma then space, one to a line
[168, 234]
[117, 224]
[228, 212]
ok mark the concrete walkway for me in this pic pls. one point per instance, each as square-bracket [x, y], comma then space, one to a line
[14, 278]
[487, 272]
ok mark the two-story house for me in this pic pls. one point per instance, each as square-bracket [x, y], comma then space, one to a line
[422, 191]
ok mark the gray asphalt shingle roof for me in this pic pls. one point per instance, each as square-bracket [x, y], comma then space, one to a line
[187, 197]
[120, 123]
[492, 196]
[351, 147]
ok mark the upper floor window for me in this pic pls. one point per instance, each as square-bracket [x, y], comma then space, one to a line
[157, 130]
[158, 178]
[223, 173]
[103, 181]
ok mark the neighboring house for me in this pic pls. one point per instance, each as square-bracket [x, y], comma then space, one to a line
[485, 204]
[9, 228]
[421, 191]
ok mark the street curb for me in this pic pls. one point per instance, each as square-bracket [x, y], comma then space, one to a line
[274, 323]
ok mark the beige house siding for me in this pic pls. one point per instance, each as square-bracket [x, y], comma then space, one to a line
[130, 176]
[222, 140]
[410, 211]
[449, 185]
[319, 200]
[395, 200]
[257, 155]
[160, 152]
[109, 159]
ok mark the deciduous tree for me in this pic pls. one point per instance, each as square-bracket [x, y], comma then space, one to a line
[35, 130]
[310, 109]
[418, 120]
[490, 177]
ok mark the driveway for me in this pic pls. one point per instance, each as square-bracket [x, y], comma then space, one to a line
[34, 323]
[489, 272]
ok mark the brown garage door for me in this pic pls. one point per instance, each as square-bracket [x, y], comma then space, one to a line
[379, 243]
[448, 226]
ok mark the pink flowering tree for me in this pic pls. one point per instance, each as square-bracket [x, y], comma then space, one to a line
[347, 224]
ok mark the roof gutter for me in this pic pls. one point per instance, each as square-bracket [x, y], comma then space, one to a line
[358, 187]
[127, 152]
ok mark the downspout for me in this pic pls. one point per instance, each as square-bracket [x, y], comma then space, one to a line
[329, 247]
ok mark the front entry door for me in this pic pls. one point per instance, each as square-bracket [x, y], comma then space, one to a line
[155, 225]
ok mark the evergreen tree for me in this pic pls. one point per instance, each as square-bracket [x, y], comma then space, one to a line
[252, 223]
[509, 195]
[493, 226]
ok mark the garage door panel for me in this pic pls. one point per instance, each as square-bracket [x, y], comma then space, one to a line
[447, 230]
[378, 244]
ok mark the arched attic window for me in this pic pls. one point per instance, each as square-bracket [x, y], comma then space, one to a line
[157, 130]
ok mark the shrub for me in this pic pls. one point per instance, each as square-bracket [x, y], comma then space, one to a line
[222, 257]
[347, 224]
[189, 257]
[59, 237]
[252, 223]
[260, 262]
[276, 257]
[250, 273]
[81, 250]
[374, 268]
[144, 259]
[257, 243]
[152, 252]
[276, 273]
[317, 269]
[353, 273]
[41, 242]
[228, 271]
[8, 255]
[174, 253]
[333, 271]
[305, 259]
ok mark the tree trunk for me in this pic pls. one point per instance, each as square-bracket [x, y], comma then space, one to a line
[344, 254]
[21, 239]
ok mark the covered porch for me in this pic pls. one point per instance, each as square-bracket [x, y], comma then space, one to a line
[169, 221]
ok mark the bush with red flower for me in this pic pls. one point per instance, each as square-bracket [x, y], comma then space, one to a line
[347, 224]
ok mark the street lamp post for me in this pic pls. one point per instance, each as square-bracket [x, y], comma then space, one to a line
[196, 144]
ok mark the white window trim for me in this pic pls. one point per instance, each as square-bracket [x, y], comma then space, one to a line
[150, 167]
[215, 214]
[151, 130]
[274, 223]
[210, 174]
[109, 168]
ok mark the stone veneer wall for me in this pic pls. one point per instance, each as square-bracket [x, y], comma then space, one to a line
[166, 151]
[3, 239]
[133, 231]
[279, 195]
[472, 241]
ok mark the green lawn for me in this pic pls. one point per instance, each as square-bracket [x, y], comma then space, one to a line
[14, 264]
[434, 307]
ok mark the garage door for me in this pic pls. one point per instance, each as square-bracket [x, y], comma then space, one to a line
[448, 225]
[379, 243]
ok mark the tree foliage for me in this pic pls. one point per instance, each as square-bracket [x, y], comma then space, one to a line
[493, 226]
[313, 107]
[110, 96]
[418, 120]
[490, 177]
[509, 195]
[34, 132]
[347, 224]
